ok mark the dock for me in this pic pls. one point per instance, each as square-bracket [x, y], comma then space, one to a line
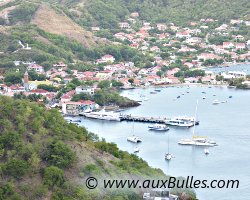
[160, 120]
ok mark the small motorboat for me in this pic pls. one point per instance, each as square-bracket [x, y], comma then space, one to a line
[136, 150]
[204, 97]
[178, 97]
[206, 151]
[158, 127]
[216, 102]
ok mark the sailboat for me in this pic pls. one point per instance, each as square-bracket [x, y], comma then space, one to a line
[133, 138]
[197, 140]
[168, 156]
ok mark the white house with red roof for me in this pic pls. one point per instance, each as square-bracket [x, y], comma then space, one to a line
[228, 45]
[67, 96]
[39, 91]
[36, 67]
[206, 56]
[155, 49]
[240, 46]
[184, 34]
[108, 58]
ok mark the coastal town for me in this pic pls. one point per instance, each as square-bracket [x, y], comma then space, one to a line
[179, 55]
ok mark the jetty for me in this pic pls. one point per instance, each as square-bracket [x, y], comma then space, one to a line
[160, 120]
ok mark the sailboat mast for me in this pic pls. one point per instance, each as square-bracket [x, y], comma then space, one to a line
[168, 142]
[195, 116]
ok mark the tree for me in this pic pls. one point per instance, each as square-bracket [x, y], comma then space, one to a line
[49, 88]
[53, 176]
[13, 78]
[60, 155]
[104, 84]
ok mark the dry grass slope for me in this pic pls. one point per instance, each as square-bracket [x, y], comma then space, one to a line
[51, 21]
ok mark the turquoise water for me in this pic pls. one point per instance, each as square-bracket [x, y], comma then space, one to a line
[228, 124]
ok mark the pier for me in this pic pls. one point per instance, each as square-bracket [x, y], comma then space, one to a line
[160, 120]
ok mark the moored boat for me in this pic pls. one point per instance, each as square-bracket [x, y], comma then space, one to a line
[179, 122]
[216, 102]
[134, 139]
[103, 115]
[158, 127]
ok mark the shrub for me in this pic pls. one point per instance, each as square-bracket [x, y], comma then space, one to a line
[53, 176]
[16, 168]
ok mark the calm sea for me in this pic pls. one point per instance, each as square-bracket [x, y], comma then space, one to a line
[227, 123]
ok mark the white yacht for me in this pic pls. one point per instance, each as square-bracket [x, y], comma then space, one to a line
[158, 127]
[189, 119]
[179, 122]
[216, 102]
[103, 115]
[134, 139]
[197, 140]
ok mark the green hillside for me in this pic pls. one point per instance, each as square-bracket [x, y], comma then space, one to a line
[107, 13]
[44, 157]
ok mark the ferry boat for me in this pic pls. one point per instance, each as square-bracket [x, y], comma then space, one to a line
[188, 119]
[179, 122]
[158, 127]
[103, 115]
[134, 139]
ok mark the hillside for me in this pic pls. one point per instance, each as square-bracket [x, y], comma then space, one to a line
[44, 157]
[106, 13]
[50, 21]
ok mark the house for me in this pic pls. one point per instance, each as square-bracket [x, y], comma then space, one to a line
[134, 14]
[85, 89]
[60, 65]
[228, 45]
[155, 49]
[95, 29]
[184, 34]
[67, 96]
[108, 58]
[39, 91]
[35, 67]
[161, 27]
[32, 85]
[240, 46]
[206, 56]
[75, 108]
[124, 25]
[16, 88]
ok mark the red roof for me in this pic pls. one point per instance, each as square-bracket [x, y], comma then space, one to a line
[39, 91]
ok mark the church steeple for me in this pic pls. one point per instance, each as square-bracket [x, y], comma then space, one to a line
[26, 80]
